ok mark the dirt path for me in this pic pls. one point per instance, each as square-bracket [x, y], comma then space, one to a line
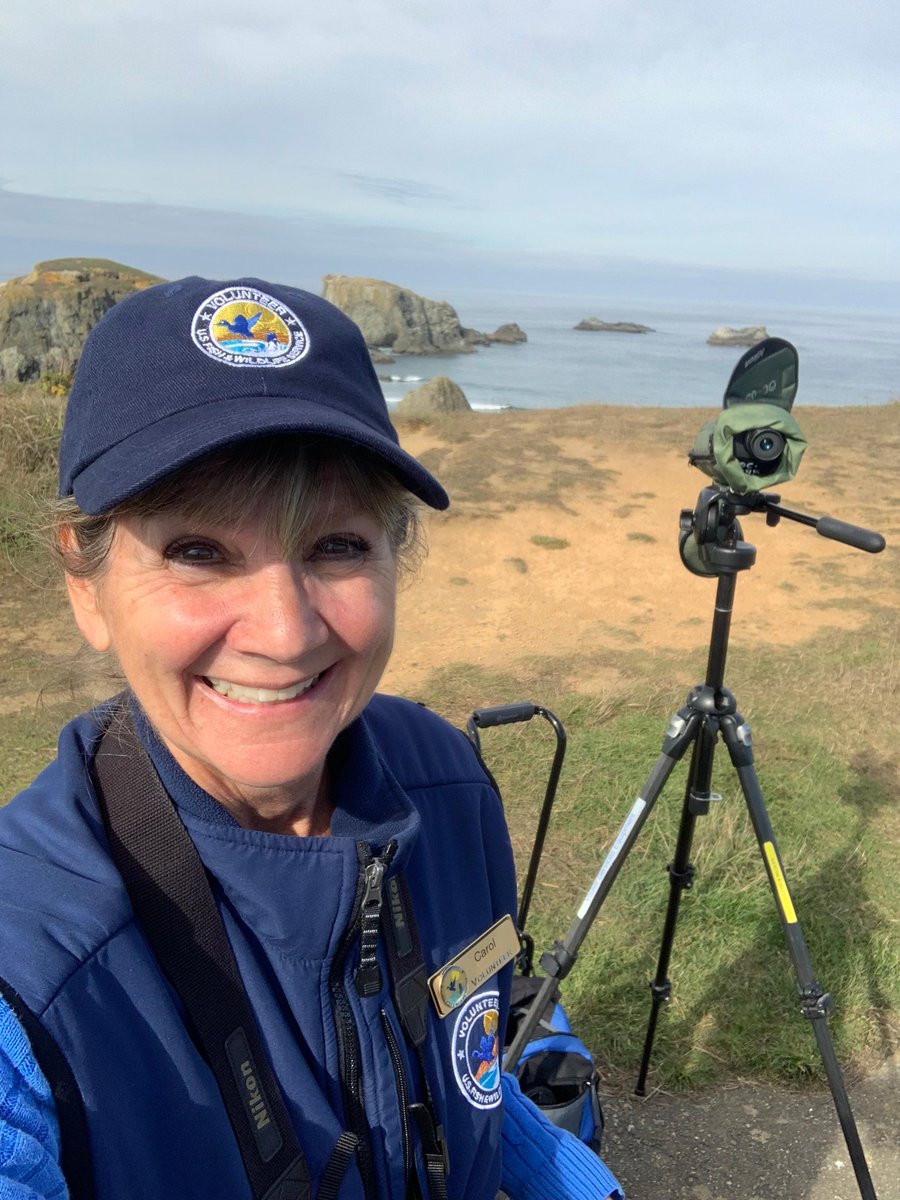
[750, 1141]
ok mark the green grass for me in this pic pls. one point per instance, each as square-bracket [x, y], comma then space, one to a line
[830, 788]
[30, 425]
[87, 264]
[547, 542]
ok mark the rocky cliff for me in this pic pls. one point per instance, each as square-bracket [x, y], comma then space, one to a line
[395, 319]
[46, 315]
[401, 322]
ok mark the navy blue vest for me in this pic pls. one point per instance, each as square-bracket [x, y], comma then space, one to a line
[70, 947]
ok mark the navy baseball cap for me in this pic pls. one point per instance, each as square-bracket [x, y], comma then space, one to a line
[181, 369]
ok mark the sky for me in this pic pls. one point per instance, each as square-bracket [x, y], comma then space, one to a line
[485, 144]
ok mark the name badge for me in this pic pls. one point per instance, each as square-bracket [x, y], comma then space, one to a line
[466, 973]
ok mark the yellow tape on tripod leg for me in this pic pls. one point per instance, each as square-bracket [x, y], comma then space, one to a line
[781, 887]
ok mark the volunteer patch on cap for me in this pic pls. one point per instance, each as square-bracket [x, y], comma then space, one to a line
[243, 327]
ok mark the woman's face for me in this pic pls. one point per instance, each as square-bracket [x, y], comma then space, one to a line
[247, 664]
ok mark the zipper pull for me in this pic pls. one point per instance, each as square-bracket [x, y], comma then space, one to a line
[368, 973]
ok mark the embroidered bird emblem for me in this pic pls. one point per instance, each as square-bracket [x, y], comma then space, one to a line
[241, 325]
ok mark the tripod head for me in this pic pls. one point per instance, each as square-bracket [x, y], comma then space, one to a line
[710, 540]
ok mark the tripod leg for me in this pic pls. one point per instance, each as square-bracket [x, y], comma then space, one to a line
[814, 1003]
[558, 962]
[681, 878]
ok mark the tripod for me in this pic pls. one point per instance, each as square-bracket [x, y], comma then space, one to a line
[711, 545]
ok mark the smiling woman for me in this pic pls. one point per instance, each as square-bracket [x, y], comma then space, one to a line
[264, 578]
[221, 904]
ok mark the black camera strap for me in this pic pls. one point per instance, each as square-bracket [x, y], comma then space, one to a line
[410, 987]
[174, 904]
[173, 901]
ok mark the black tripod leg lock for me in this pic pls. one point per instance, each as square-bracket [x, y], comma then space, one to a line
[814, 1003]
[680, 733]
[661, 992]
[557, 962]
[683, 879]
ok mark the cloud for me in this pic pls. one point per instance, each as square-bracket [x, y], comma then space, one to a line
[686, 133]
[405, 191]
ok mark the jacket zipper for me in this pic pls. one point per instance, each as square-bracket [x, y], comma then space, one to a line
[366, 901]
[402, 1095]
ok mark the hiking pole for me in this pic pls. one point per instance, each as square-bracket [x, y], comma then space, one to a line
[508, 714]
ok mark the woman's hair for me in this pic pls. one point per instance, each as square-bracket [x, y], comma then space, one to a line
[301, 477]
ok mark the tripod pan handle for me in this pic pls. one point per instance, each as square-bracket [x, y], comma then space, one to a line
[851, 535]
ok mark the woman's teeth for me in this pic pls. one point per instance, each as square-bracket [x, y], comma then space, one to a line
[252, 695]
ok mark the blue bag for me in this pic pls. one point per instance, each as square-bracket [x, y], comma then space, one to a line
[556, 1071]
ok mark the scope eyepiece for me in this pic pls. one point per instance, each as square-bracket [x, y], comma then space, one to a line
[759, 451]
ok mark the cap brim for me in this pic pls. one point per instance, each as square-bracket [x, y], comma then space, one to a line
[151, 454]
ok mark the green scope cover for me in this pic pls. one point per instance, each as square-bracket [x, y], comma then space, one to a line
[714, 453]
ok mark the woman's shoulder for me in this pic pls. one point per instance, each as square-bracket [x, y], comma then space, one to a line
[60, 895]
[397, 708]
[421, 748]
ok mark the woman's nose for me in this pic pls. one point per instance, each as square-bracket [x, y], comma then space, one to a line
[280, 616]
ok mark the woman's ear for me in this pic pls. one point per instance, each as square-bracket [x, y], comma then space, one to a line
[85, 600]
[88, 614]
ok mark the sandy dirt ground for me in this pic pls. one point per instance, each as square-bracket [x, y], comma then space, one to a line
[490, 595]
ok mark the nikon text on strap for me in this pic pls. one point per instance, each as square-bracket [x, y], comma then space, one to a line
[174, 904]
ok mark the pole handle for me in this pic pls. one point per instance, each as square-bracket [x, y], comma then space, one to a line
[503, 714]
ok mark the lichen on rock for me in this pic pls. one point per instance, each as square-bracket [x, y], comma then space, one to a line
[46, 315]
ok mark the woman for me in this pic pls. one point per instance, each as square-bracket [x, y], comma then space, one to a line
[222, 901]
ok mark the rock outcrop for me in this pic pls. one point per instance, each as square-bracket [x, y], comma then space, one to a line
[508, 334]
[595, 325]
[436, 397]
[748, 335]
[395, 320]
[46, 315]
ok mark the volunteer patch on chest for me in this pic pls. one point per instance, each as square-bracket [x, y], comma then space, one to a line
[476, 1050]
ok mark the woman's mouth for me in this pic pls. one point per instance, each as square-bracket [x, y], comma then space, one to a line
[258, 695]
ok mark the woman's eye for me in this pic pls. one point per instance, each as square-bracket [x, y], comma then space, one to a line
[340, 546]
[194, 552]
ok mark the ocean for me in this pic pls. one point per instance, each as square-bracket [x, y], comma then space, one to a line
[845, 357]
